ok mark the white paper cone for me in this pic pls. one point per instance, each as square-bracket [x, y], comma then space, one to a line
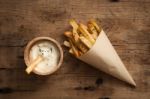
[104, 57]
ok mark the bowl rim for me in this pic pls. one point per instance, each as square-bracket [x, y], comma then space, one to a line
[29, 46]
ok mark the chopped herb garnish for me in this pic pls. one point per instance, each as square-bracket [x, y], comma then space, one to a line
[42, 53]
[40, 50]
[51, 49]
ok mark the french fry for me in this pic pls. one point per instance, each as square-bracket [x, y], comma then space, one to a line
[95, 25]
[75, 35]
[68, 34]
[74, 49]
[77, 42]
[84, 31]
[85, 42]
[74, 24]
[72, 35]
[71, 51]
[67, 44]
[30, 68]
[80, 53]
[82, 47]
[93, 31]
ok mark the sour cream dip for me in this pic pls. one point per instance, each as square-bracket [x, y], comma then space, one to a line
[50, 51]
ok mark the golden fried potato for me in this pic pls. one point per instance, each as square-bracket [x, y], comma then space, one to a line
[68, 34]
[86, 42]
[93, 31]
[74, 24]
[74, 49]
[67, 44]
[92, 21]
[85, 32]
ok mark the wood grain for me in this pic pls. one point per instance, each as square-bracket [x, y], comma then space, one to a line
[126, 23]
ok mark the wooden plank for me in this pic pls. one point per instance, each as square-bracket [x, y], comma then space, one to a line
[70, 85]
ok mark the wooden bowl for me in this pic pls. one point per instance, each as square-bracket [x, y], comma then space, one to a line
[34, 41]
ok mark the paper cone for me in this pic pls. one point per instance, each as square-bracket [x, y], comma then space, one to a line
[104, 57]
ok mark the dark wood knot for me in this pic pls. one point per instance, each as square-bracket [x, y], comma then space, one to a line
[6, 90]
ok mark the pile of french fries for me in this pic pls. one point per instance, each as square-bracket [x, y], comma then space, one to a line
[82, 37]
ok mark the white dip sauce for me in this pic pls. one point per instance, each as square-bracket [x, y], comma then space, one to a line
[50, 53]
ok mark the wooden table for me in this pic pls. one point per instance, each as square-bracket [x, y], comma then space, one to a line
[126, 22]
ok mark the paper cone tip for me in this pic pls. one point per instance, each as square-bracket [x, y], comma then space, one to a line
[132, 83]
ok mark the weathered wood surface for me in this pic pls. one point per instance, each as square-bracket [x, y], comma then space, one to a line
[126, 22]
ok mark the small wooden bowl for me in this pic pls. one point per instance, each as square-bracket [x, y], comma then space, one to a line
[30, 45]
